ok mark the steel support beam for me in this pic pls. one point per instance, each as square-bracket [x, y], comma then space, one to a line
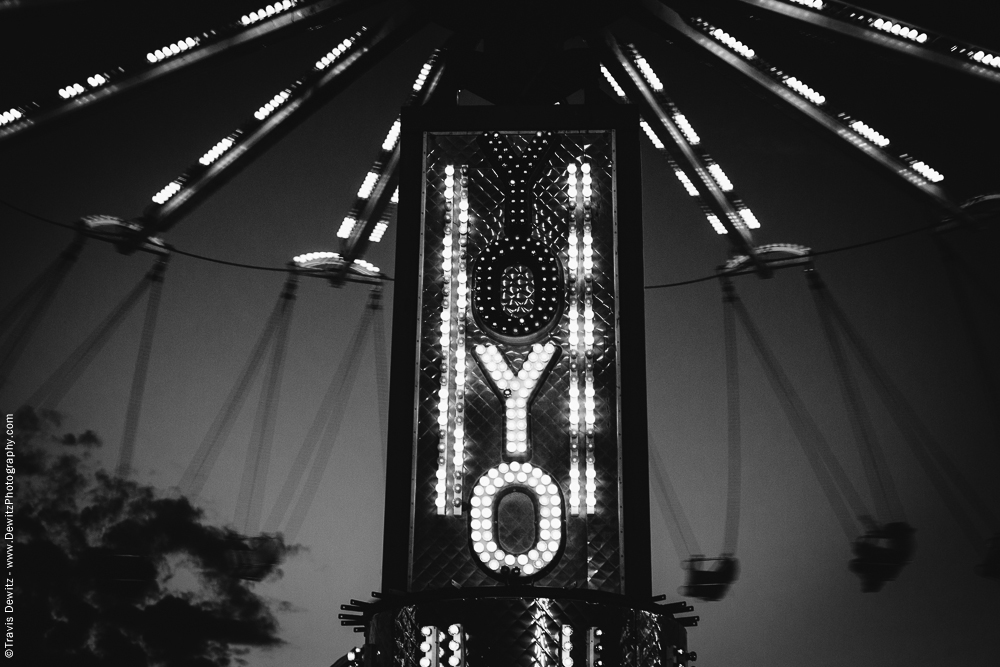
[138, 71]
[764, 75]
[858, 22]
[305, 96]
[639, 93]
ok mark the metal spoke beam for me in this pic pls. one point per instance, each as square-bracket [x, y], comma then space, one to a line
[88, 89]
[790, 90]
[890, 33]
[286, 110]
[659, 119]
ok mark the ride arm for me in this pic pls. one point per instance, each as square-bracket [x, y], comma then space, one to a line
[887, 32]
[285, 111]
[726, 48]
[375, 206]
[657, 117]
[187, 50]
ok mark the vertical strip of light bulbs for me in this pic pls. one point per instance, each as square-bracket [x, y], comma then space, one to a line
[451, 446]
[456, 645]
[579, 184]
[431, 650]
[566, 646]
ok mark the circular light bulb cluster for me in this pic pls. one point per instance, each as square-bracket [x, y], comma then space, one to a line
[346, 227]
[686, 129]
[482, 525]
[720, 177]
[168, 191]
[900, 30]
[517, 389]
[566, 646]
[365, 191]
[422, 77]
[311, 260]
[614, 84]
[172, 50]
[268, 109]
[647, 71]
[267, 12]
[10, 116]
[337, 51]
[215, 151]
[71, 91]
[804, 90]
[733, 43]
[652, 135]
[870, 134]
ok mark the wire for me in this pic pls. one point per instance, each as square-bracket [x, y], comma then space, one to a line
[175, 249]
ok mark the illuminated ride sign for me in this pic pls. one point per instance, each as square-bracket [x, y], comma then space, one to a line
[517, 509]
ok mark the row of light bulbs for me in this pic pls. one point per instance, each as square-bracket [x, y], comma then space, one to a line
[431, 650]
[566, 645]
[870, 133]
[804, 90]
[178, 47]
[550, 522]
[720, 177]
[71, 90]
[986, 58]
[168, 191]
[311, 259]
[686, 129]
[733, 43]
[647, 71]
[272, 104]
[337, 51]
[928, 172]
[10, 116]
[216, 151]
[812, 4]
[365, 191]
[346, 227]
[267, 12]
[899, 30]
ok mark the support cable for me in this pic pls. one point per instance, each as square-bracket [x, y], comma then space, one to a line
[381, 379]
[843, 498]
[883, 490]
[197, 471]
[21, 324]
[680, 530]
[734, 434]
[155, 278]
[953, 264]
[334, 420]
[929, 453]
[251, 495]
[325, 426]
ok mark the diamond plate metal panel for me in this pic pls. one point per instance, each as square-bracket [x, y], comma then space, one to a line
[406, 638]
[440, 552]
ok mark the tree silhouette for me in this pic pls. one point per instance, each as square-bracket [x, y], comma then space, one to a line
[98, 559]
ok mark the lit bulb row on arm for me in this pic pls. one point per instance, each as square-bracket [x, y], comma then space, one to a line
[579, 183]
[483, 513]
[454, 307]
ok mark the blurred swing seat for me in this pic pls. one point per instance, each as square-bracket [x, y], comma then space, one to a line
[709, 579]
[881, 554]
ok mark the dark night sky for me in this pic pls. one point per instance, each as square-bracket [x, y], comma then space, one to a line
[795, 603]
